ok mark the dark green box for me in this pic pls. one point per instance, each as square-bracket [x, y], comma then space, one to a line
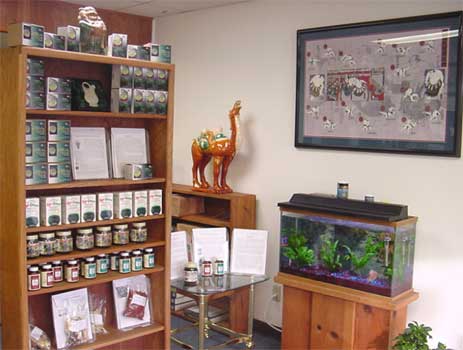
[160, 101]
[161, 80]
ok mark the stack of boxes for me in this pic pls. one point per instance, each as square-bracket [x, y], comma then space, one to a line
[35, 84]
[59, 94]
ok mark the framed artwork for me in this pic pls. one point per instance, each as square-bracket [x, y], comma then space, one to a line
[388, 86]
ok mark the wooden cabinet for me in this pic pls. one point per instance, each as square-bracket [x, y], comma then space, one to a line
[17, 302]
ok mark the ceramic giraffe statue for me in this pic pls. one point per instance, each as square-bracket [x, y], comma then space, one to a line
[222, 149]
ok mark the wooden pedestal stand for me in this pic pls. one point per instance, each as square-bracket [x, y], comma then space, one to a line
[318, 315]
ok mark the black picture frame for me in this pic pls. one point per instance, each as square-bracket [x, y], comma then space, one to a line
[347, 94]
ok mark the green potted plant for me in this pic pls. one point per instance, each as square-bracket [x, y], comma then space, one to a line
[415, 337]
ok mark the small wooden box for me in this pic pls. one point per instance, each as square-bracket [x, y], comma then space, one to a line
[187, 205]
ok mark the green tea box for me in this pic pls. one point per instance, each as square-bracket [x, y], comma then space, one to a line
[35, 83]
[88, 207]
[72, 37]
[117, 45]
[58, 102]
[50, 213]
[35, 100]
[121, 100]
[59, 173]
[161, 78]
[138, 52]
[32, 212]
[36, 130]
[137, 171]
[138, 102]
[58, 152]
[138, 79]
[160, 101]
[148, 77]
[36, 174]
[140, 203]
[159, 52]
[71, 209]
[155, 202]
[35, 66]
[105, 206]
[25, 34]
[122, 76]
[59, 130]
[36, 152]
[59, 85]
[123, 204]
[150, 104]
[54, 41]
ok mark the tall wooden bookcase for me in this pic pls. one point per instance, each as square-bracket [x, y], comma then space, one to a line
[17, 302]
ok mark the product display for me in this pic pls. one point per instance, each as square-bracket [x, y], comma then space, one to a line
[59, 173]
[105, 206]
[25, 34]
[121, 100]
[122, 77]
[58, 85]
[128, 146]
[103, 237]
[36, 174]
[59, 130]
[35, 100]
[98, 312]
[32, 212]
[138, 78]
[36, 130]
[72, 271]
[148, 258]
[36, 152]
[59, 152]
[88, 207]
[33, 278]
[140, 203]
[46, 276]
[72, 37]
[54, 41]
[159, 53]
[33, 246]
[121, 234]
[117, 45]
[85, 239]
[57, 267]
[138, 52]
[64, 242]
[137, 171]
[161, 80]
[71, 209]
[47, 244]
[58, 102]
[39, 339]
[138, 232]
[35, 83]
[123, 204]
[155, 202]
[50, 213]
[35, 66]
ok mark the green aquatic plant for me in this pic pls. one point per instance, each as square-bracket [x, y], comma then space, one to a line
[328, 253]
[415, 337]
[297, 250]
[359, 262]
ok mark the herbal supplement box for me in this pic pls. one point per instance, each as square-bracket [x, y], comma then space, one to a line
[88, 207]
[117, 45]
[36, 152]
[54, 41]
[140, 203]
[138, 103]
[58, 102]
[50, 213]
[105, 206]
[35, 66]
[35, 83]
[148, 77]
[138, 79]
[35, 100]
[36, 174]
[121, 100]
[138, 52]
[155, 202]
[123, 204]
[58, 152]
[150, 103]
[160, 52]
[25, 34]
[32, 212]
[71, 209]
[137, 171]
[36, 130]
[72, 37]
[160, 102]
[122, 76]
[59, 85]
[59, 130]
[59, 173]
[161, 77]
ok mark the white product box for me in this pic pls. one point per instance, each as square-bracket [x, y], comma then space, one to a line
[50, 215]
[88, 207]
[32, 212]
[72, 37]
[105, 206]
[71, 209]
[155, 202]
[140, 203]
[123, 205]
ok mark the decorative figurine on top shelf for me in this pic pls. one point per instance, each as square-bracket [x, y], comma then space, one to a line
[92, 31]
[222, 149]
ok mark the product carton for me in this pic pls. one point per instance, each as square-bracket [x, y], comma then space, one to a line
[123, 205]
[149, 97]
[138, 79]
[35, 100]
[161, 79]
[59, 130]
[36, 174]
[122, 76]
[160, 102]
[159, 52]
[59, 85]
[35, 83]
[36, 152]
[36, 130]
[59, 173]
[138, 101]
[148, 77]
[105, 206]
[121, 100]
[58, 102]
[54, 41]
[117, 45]
[35, 66]
[137, 171]
[50, 214]
[72, 37]
[155, 202]
[25, 34]
[71, 209]
[140, 203]
[138, 52]
[58, 152]
[88, 207]
[32, 212]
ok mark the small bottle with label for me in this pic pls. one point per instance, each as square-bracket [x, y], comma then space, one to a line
[46, 276]
[57, 271]
[191, 274]
[101, 263]
[114, 261]
[124, 262]
[72, 271]
[219, 267]
[90, 268]
[206, 268]
[33, 278]
[343, 190]
[148, 258]
[137, 260]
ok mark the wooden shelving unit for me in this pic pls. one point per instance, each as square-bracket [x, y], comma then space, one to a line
[18, 304]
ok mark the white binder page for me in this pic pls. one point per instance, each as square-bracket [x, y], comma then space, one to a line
[249, 251]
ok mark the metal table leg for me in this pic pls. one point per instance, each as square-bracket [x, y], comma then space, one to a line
[250, 343]
[202, 331]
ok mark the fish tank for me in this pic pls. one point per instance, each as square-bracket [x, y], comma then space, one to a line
[355, 244]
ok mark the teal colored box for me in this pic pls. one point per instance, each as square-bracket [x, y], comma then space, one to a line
[59, 130]
[121, 100]
[160, 53]
[160, 102]
[35, 100]
[36, 130]
[58, 85]
[58, 152]
[138, 52]
[36, 152]
[35, 66]
[138, 101]
[161, 80]
[54, 41]
[58, 102]
[35, 83]
[148, 75]
[59, 173]
[122, 76]
[36, 174]
[138, 78]
[149, 97]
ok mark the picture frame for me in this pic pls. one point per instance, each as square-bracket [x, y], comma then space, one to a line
[383, 86]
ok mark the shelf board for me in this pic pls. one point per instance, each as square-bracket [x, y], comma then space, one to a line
[204, 219]
[103, 278]
[93, 252]
[187, 189]
[94, 183]
[116, 336]
[86, 114]
[93, 224]
[86, 57]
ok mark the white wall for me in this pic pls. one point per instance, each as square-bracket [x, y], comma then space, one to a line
[248, 52]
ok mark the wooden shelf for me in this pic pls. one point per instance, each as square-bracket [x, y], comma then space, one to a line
[86, 253]
[94, 183]
[103, 278]
[93, 224]
[204, 219]
[116, 336]
[85, 114]
[186, 189]
[86, 57]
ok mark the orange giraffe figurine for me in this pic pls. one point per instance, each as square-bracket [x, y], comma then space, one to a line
[219, 147]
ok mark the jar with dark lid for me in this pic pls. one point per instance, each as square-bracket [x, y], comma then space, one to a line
[57, 267]
[137, 260]
[64, 242]
[219, 267]
[148, 258]
[121, 234]
[33, 278]
[343, 190]
[206, 268]
[47, 244]
[33, 246]
[90, 268]
[85, 239]
[191, 274]
[46, 276]
[124, 262]
[103, 237]
[138, 232]
[72, 271]
[101, 263]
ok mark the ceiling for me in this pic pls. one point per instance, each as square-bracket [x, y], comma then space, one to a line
[155, 8]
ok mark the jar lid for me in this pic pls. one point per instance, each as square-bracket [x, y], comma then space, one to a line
[149, 250]
[33, 268]
[115, 253]
[47, 235]
[121, 227]
[32, 237]
[136, 252]
[46, 266]
[57, 262]
[139, 224]
[85, 230]
[72, 262]
[91, 259]
[190, 265]
[63, 233]
[343, 183]
[104, 228]
[218, 260]
[124, 254]
[102, 255]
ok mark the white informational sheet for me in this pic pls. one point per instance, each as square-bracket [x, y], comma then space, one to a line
[89, 154]
[212, 244]
[178, 254]
[249, 251]
[128, 146]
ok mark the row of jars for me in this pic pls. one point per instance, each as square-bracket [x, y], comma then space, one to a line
[46, 275]
[50, 243]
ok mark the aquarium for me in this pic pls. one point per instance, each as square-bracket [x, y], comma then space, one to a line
[368, 255]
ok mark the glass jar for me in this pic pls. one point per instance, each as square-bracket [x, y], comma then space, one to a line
[138, 232]
[191, 274]
[46, 276]
[121, 234]
[103, 237]
[124, 262]
[102, 263]
[114, 261]
[33, 278]
[148, 258]
[85, 239]
[137, 260]
[47, 244]
[90, 268]
[206, 268]
[57, 267]
[219, 269]
[33, 246]
[64, 242]
[72, 271]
